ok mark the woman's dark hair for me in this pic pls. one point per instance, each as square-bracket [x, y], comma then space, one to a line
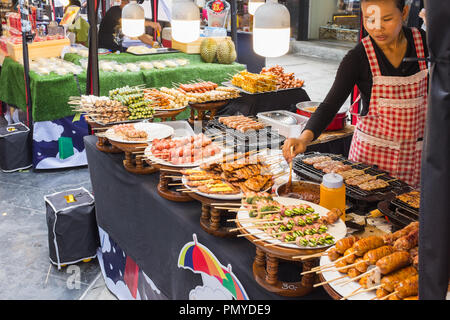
[400, 3]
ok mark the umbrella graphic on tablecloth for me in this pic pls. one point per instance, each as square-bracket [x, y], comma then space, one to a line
[199, 259]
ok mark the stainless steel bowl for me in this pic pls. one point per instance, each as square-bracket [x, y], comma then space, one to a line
[304, 190]
[281, 117]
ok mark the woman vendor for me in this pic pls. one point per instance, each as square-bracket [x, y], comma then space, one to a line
[390, 127]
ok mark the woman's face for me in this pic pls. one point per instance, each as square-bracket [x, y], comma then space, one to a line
[383, 20]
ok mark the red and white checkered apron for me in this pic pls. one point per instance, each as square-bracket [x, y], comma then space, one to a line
[388, 136]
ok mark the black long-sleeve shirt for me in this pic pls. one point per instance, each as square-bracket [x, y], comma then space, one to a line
[355, 69]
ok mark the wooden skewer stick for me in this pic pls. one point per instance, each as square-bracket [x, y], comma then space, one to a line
[356, 278]
[329, 281]
[277, 244]
[358, 291]
[228, 208]
[345, 267]
[311, 256]
[175, 184]
[333, 263]
[226, 204]
[186, 190]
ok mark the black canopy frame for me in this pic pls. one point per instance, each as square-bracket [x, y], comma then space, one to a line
[434, 235]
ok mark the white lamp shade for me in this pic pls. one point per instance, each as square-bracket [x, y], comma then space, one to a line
[271, 42]
[253, 5]
[271, 30]
[185, 31]
[133, 20]
[185, 21]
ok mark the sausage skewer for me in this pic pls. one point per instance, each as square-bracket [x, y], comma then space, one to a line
[387, 264]
[360, 248]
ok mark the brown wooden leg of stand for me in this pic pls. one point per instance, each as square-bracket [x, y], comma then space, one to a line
[309, 279]
[272, 270]
[206, 215]
[260, 259]
[215, 219]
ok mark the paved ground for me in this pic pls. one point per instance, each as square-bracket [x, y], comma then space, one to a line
[25, 269]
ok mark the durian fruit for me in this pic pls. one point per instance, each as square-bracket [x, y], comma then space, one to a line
[226, 52]
[208, 49]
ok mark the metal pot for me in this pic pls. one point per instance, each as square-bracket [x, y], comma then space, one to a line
[307, 108]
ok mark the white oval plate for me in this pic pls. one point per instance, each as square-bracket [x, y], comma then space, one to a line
[154, 131]
[338, 230]
[346, 289]
[157, 160]
[237, 196]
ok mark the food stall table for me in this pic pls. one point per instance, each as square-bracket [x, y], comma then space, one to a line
[54, 117]
[147, 242]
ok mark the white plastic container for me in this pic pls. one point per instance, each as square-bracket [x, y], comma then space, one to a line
[284, 129]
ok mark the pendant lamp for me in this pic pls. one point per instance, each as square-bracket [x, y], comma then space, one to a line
[133, 20]
[253, 5]
[271, 29]
[185, 21]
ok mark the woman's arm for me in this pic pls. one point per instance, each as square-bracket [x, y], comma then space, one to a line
[346, 78]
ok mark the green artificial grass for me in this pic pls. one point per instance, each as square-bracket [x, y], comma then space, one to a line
[51, 93]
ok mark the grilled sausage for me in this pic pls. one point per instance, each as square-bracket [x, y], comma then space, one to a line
[350, 252]
[392, 279]
[340, 264]
[352, 273]
[333, 254]
[376, 254]
[345, 243]
[391, 237]
[367, 244]
[362, 265]
[363, 281]
[408, 287]
[393, 262]
[381, 292]
[407, 242]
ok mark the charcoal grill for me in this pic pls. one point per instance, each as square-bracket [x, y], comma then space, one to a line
[363, 201]
[244, 142]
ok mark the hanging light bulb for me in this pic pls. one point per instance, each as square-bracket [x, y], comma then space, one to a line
[253, 5]
[133, 20]
[185, 21]
[271, 29]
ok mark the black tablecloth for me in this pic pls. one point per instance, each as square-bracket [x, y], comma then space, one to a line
[252, 104]
[153, 230]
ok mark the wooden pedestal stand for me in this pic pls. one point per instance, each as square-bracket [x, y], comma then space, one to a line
[103, 143]
[134, 163]
[202, 108]
[210, 220]
[265, 268]
[168, 115]
[164, 189]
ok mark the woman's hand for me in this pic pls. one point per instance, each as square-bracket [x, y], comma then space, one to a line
[154, 25]
[297, 145]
